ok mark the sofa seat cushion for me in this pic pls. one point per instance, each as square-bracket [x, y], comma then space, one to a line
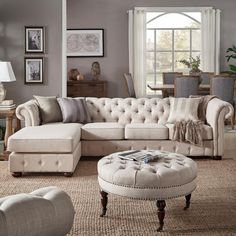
[103, 131]
[206, 131]
[146, 131]
[48, 138]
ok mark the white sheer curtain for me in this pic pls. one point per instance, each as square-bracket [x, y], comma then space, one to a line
[137, 36]
[210, 29]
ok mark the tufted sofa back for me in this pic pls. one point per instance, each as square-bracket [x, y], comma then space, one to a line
[129, 110]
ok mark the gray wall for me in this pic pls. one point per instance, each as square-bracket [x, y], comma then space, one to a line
[14, 15]
[111, 15]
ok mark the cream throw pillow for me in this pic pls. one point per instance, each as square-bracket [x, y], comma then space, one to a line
[49, 109]
[183, 109]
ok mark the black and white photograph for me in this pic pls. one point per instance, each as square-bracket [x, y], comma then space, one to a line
[34, 39]
[34, 70]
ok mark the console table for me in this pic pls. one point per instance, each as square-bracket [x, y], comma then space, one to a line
[87, 88]
[9, 115]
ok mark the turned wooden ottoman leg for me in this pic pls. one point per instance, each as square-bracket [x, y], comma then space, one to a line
[104, 203]
[187, 201]
[161, 213]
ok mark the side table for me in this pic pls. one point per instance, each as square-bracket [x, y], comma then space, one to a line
[9, 116]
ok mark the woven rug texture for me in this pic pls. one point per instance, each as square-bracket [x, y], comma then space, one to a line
[212, 210]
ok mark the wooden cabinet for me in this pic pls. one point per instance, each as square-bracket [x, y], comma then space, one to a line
[87, 88]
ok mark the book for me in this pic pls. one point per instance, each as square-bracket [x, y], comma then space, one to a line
[7, 107]
[6, 102]
[139, 155]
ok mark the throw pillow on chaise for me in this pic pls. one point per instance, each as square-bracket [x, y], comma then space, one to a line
[49, 109]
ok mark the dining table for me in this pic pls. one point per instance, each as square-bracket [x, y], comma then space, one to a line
[170, 87]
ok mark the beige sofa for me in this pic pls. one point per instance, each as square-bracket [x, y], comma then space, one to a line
[117, 124]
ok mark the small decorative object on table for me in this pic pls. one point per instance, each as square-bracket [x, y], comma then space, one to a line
[74, 74]
[96, 70]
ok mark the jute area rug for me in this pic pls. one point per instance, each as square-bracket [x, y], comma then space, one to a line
[212, 210]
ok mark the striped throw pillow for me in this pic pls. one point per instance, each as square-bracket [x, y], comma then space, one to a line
[74, 110]
[183, 109]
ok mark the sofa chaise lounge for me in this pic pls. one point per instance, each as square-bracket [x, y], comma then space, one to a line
[117, 124]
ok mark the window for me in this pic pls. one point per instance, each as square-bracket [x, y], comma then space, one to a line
[170, 37]
[159, 37]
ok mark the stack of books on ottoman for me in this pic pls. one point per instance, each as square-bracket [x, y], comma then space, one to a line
[140, 155]
[7, 105]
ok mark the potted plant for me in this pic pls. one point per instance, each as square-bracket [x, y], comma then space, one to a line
[193, 64]
[232, 54]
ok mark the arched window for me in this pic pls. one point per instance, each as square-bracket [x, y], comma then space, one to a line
[170, 37]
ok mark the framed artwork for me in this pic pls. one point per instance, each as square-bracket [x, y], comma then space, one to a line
[34, 39]
[33, 70]
[85, 43]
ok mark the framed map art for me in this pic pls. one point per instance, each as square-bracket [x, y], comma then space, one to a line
[85, 43]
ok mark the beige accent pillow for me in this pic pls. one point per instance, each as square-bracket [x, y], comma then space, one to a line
[49, 109]
[183, 109]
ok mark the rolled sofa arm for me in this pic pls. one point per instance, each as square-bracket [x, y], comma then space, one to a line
[29, 112]
[216, 113]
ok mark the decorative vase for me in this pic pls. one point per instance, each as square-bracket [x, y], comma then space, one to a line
[73, 73]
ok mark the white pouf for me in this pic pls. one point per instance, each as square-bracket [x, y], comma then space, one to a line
[171, 175]
[44, 212]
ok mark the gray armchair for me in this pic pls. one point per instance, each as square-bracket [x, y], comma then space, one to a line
[169, 78]
[186, 86]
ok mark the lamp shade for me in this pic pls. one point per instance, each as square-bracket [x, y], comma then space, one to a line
[6, 72]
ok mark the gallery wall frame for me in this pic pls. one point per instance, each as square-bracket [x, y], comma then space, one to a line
[33, 70]
[85, 42]
[34, 39]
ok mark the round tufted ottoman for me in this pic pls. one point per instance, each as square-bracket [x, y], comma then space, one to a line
[171, 175]
[44, 212]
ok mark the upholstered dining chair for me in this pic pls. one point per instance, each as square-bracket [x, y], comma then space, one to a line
[223, 87]
[169, 78]
[186, 86]
[205, 78]
[130, 85]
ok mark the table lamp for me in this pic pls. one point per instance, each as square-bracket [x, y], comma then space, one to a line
[6, 75]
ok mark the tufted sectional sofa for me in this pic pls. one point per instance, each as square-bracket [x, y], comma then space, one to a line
[117, 124]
